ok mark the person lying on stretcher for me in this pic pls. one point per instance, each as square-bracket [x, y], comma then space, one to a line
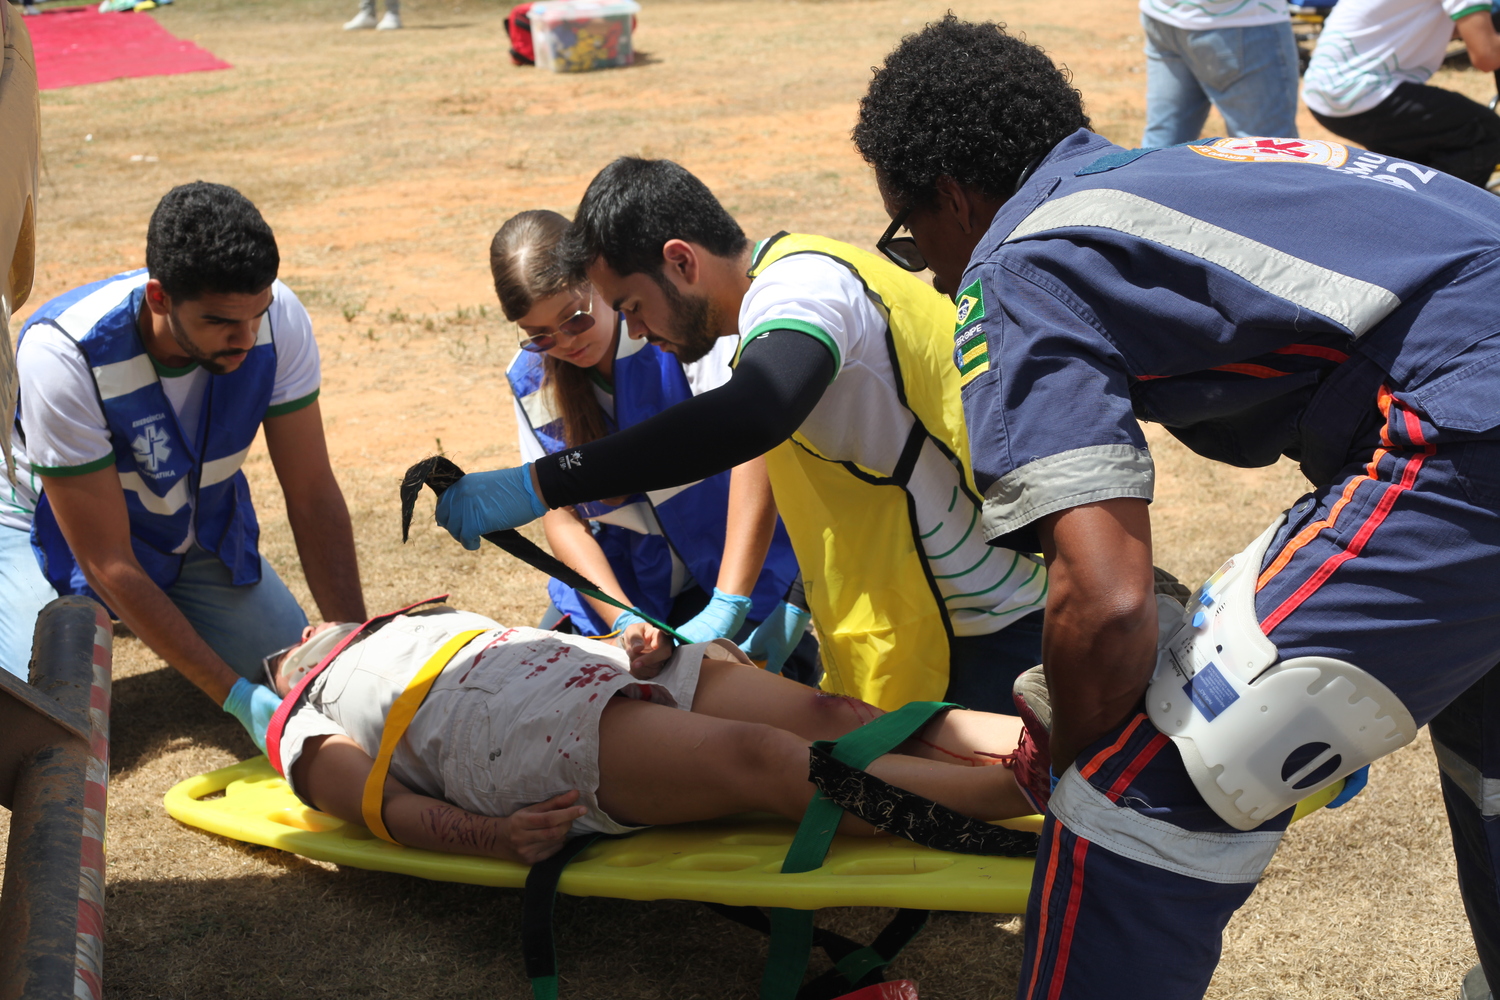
[529, 736]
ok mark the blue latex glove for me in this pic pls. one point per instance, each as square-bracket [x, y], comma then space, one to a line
[1353, 785]
[774, 639]
[253, 705]
[482, 502]
[625, 619]
[722, 618]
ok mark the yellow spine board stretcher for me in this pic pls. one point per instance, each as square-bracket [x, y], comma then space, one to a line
[735, 862]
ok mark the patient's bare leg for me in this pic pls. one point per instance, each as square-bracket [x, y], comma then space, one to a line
[663, 765]
[729, 690]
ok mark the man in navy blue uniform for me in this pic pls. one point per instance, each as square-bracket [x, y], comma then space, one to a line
[1258, 297]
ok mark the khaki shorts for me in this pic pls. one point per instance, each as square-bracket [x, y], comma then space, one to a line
[528, 731]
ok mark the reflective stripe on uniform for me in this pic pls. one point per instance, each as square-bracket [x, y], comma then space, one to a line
[1483, 792]
[219, 469]
[1358, 305]
[124, 377]
[79, 319]
[1211, 857]
[539, 408]
[176, 498]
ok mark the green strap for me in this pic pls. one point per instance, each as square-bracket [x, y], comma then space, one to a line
[792, 930]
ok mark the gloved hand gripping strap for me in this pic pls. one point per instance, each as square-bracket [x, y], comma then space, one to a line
[441, 473]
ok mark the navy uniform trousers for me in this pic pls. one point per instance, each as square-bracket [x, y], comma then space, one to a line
[1395, 568]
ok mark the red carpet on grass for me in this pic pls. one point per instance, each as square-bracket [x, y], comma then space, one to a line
[82, 45]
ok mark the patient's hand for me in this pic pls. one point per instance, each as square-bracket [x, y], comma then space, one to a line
[648, 648]
[537, 832]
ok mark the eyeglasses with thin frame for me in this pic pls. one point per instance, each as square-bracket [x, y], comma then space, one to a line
[901, 250]
[271, 661]
[580, 322]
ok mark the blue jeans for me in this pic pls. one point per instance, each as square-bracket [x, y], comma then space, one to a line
[1249, 74]
[241, 624]
[24, 592]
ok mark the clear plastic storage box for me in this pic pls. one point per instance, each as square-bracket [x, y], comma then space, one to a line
[574, 36]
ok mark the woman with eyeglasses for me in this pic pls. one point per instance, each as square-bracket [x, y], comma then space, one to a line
[712, 558]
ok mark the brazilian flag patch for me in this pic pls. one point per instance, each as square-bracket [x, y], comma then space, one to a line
[970, 304]
[971, 352]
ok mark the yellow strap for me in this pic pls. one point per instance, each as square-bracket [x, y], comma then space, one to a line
[400, 716]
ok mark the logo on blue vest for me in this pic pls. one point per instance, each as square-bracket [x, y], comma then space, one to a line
[151, 448]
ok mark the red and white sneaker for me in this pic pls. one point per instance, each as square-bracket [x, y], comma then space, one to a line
[1032, 760]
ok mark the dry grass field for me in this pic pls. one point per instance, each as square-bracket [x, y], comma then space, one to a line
[385, 162]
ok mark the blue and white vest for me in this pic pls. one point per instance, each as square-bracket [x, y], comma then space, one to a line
[162, 465]
[692, 518]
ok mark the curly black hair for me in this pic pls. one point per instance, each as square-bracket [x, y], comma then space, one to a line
[633, 206]
[209, 239]
[966, 101]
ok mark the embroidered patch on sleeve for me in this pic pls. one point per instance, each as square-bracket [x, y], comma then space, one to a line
[971, 353]
[970, 304]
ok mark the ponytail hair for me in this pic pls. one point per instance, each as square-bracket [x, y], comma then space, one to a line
[526, 268]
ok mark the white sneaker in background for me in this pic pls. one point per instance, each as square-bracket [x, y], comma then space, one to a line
[390, 22]
[364, 19]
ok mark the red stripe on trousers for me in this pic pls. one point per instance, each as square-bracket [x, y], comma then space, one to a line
[1356, 545]
[1087, 771]
[1313, 351]
[1136, 766]
[1041, 931]
[1070, 920]
[1080, 851]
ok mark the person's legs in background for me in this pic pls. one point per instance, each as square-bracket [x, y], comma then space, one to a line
[1427, 125]
[241, 624]
[24, 592]
[982, 668]
[366, 16]
[1250, 75]
[1466, 739]
[1176, 106]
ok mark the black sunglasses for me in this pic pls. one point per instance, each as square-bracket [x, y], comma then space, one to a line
[901, 250]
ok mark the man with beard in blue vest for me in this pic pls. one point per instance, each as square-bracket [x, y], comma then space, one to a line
[140, 397]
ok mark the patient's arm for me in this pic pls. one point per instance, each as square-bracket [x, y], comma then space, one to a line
[332, 771]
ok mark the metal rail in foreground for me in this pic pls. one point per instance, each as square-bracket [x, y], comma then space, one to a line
[54, 774]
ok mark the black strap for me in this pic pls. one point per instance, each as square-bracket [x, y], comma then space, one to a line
[537, 947]
[439, 473]
[856, 966]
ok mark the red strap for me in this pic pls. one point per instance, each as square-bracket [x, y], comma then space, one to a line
[278, 720]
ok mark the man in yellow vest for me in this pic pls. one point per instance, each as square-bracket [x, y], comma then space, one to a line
[845, 380]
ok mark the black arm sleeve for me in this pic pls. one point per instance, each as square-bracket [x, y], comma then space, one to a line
[780, 377]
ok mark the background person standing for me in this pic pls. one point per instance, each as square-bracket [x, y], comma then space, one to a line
[1238, 54]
